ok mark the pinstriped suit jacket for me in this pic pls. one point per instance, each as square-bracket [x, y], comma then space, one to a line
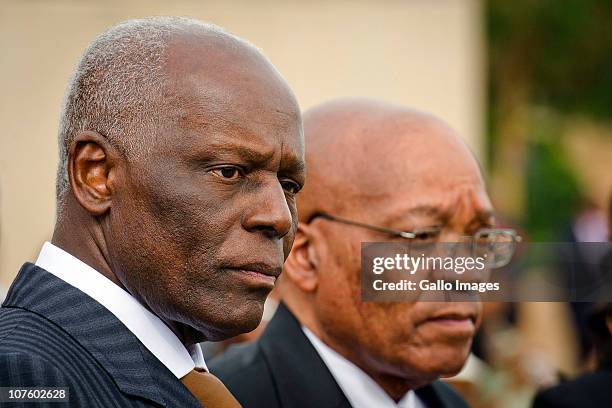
[52, 334]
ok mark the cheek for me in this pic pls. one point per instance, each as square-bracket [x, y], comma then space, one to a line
[288, 239]
[340, 266]
[162, 239]
[336, 296]
[391, 326]
[343, 254]
[397, 347]
[188, 220]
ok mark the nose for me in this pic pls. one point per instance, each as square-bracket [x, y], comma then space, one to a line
[268, 212]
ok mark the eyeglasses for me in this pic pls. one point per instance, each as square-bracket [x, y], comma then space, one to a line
[496, 245]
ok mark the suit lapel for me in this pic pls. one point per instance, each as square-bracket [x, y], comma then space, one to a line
[99, 332]
[430, 396]
[302, 379]
[437, 394]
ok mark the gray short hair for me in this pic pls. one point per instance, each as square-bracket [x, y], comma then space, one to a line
[117, 88]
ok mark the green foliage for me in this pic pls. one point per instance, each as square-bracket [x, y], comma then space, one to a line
[562, 51]
[559, 54]
[553, 193]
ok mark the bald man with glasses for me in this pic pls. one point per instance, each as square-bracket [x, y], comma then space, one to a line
[377, 173]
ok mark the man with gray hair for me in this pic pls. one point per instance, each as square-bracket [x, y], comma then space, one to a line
[181, 152]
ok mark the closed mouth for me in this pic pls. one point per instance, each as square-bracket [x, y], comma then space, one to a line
[454, 316]
[451, 316]
[258, 267]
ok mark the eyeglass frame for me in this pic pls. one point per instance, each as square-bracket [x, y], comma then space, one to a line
[409, 235]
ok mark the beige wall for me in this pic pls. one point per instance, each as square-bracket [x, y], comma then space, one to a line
[422, 53]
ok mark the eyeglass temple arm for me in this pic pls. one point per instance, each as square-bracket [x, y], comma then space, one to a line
[403, 234]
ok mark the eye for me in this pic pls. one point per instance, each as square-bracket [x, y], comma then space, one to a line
[426, 235]
[290, 186]
[228, 172]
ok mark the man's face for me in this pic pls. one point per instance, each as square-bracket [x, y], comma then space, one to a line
[436, 184]
[202, 224]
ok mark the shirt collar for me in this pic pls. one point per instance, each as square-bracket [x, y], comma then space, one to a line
[152, 332]
[358, 387]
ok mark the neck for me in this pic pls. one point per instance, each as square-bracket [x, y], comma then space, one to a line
[82, 236]
[395, 386]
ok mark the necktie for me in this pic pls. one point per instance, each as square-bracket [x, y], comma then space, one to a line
[209, 390]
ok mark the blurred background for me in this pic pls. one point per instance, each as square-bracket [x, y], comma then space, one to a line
[528, 84]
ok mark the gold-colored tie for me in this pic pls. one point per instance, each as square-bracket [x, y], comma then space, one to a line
[209, 390]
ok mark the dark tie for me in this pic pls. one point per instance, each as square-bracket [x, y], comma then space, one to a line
[209, 390]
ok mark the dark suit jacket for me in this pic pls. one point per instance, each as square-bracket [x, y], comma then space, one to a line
[282, 369]
[54, 335]
[592, 390]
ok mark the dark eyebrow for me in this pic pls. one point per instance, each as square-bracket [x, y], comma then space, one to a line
[428, 210]
[424, 210]
[485, 217]
[433, 211]
[291, 164]
[294, 165]
[245, 153]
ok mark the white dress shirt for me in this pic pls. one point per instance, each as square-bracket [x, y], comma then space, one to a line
[360, 390]
[152, 332]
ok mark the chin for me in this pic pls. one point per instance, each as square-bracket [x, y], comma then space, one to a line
[434, 362]
[452, 368]
[232, 324]
[449, 365]
[433, 370]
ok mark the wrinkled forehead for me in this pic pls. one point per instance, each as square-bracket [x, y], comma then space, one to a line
[224, 70]
[412, 156]
[394, 159]
[421, 182]
[219, 85]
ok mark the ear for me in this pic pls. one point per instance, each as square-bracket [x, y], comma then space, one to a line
[301, 265]
[90, 161]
